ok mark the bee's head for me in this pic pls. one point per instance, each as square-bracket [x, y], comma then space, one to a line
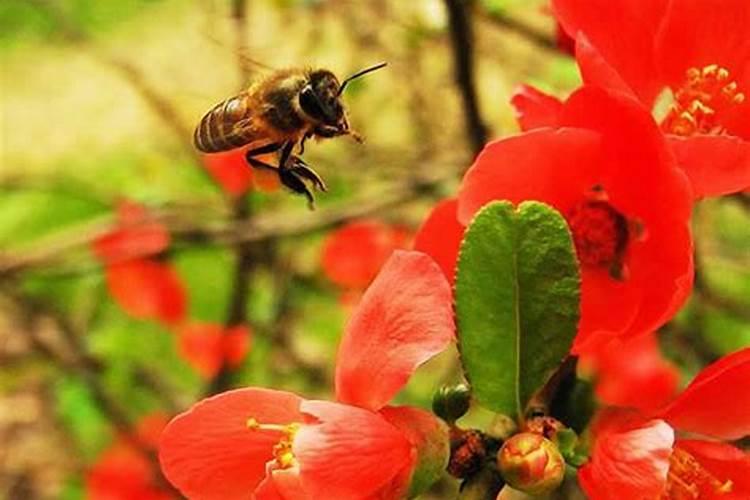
[320, 100]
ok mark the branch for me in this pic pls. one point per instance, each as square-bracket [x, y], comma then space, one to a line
[192, 227]
[533, 35]
[459, 18]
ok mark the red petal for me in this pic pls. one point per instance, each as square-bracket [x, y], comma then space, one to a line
[629, 460]
[428, 436]
[280, 484]
[534, 108]
[715, 164]
[236, 344]
[440, 236]
[632, 373]
[350, 453]
[703, 32]
[150, 427]
[147, 289]
[716, 402]
[623, 32]
[122, 473]
[354, 253]
[230, 171]
[138, 236]
[554, 166]
[405, 318]
[596, 70]
[209, 453]
[724, 462]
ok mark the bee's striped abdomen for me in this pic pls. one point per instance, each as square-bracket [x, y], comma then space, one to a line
[221, 130]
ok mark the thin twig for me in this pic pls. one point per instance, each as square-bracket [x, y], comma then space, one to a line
[462, 43]
[539, 38]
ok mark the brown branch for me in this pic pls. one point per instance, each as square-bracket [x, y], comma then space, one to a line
[530, 33]
[191, 227]
[243, 251]
[462, 43]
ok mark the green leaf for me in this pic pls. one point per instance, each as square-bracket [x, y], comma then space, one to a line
[517, 301]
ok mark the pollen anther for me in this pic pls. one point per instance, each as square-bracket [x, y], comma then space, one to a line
[705, 92]
[282, 451]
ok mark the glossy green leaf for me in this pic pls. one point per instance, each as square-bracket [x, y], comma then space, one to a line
[517, 301]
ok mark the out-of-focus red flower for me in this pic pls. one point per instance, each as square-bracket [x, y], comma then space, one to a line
[564, 42]
[279, 446]
[138, 235]
[700, 51]
[230, 170]
[608, 170]
[632, 373]
[209, 346]
[124, 472]
[354, 253]
[440, 236]
[148, 289]
[628, 459]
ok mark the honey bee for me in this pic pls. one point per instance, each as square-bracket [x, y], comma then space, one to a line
[274, 115]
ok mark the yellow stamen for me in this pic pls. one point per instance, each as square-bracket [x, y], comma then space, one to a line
[704, 92]
[282, 451]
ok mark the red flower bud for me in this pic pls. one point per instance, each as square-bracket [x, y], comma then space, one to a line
[531, 463]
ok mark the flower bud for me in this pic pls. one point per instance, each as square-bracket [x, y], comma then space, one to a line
[531, 463]
[451, 402]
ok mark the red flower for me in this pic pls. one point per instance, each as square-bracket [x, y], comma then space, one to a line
[138, 235]
[635, 457]
[281, 446]
[440, 236]
[609, 172]
[700, 51]
[354, 253]
[230, 170]
[208, 346]
[148, 289]
[632, 373]
[123, 472]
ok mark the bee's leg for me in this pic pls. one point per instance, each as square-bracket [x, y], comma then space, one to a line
[303, 170]
[289, 179]
[285, 154]
[250, 155]
[256, 163]
[302, 142]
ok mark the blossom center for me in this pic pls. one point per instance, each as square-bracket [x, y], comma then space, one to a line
[282, 450]
[688, 480]
[704, 93]
[600, 234]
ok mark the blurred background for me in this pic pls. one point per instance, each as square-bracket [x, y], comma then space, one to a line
[137, 276]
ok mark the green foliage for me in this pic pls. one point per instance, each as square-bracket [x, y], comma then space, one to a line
[80, 412]
[517, 301]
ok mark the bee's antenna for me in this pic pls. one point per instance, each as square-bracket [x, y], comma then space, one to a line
[361, 73]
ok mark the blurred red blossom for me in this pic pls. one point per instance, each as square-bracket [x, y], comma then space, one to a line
[230, 171]
[124, 471]
[209, 346]
[440, 236]
[635, 454]
[632, 373]
[354, 253]
[148, 289]
[608, 170]
[700, 51]
[137, 235]
[275, 445]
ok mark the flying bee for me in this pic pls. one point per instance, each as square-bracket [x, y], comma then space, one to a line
[277, 113]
